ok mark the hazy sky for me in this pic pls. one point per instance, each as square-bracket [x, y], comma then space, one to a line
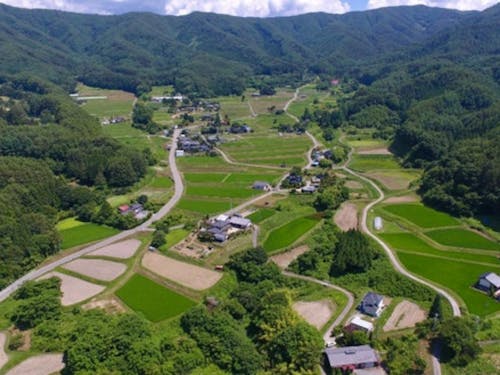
[259, 8]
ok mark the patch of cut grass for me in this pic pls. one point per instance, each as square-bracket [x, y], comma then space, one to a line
[160, 182]
[261, 215]
[289, 233]
[457, 276]
[69, 223]
[204, 177]
[175, 236]
[365, 163]
[462, 238]
[422, 216]
[85, 233]
[153, 300]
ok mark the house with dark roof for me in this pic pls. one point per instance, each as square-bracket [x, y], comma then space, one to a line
[351, 358]
[261, 185]
[372, 304]
[490, 282]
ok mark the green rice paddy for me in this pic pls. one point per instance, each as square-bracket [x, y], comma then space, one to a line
[462, 238]
[422, 216]
[153, 300]
[287, 234]
[84, 233]
[261, 215]
[204, 206]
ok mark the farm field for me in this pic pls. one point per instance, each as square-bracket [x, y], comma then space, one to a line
[421, 215]
[395, 179]
[262, 104]
[118, 103]
[260, 215]
[153, 300]
[410, 243]
[462, 238]
[74, 290]
[121, 250]
[234, 107]
[84, 233]
[174, 237]
[366, 163]
[457, 276]
[287, 234]
[215, 186]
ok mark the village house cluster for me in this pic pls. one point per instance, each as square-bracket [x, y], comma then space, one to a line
[136, 210]
[222, 227]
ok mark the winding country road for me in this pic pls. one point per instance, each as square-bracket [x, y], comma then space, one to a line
[178, 190]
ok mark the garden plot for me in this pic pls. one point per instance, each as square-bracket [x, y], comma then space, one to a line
[74, 290]
[346, 216]
[121, 250]
[283, 260]
[316, 313]
[405, 315]
[402, 199]
[3, 356]
[191, 276]
[44, 364]
[99, 269]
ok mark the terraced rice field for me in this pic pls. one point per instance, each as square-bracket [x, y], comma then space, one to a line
[153, 300]
[287, 234]
[215, 186]
[81, 233]
[422, 216]
[462, 238]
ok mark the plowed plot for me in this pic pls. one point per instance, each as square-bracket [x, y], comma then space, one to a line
[402, 199]
[44, 364]
[346, 217]
[121, 250]
[316, 313]
[283, 260]
[194, 277]
[3, 355]
[405, 315]
[104, 270]
[74, 290]
[398, 180]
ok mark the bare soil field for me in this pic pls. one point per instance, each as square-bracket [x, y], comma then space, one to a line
[353, 184]
[402, 199]
[346, 216]
[3, 356]
[374, 151]
[283, 260]
[191, 276]
[44, 364]
[99, 269]
[110, 305]
[122, 250]
[316, 313]
[74, 290]
[405, 315]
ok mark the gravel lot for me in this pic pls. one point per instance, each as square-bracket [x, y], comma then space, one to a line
[316, 313]
[3, 355]
[104, 270]
[283, 260]
[405, 315]
[122, 250]
[74, 290]
[45, 364]
[191, 276]
[346, 216]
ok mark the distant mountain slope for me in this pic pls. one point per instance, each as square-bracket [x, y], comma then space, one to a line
[196, 51]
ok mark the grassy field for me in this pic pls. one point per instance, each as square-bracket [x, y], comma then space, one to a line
[84, 233]
[175, 236]
[161, 182]
[411, 243]
[69, 223]
[261, 215]
[457, 276]
[287, 234]
[151, 299]
[365, 163]
[204, 206]
[422, 216]
[118, 103]
[462, 238]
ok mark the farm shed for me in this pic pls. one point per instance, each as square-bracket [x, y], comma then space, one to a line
[352, 357]
[261, 185]
[377, 223]
[240, 222]
[489, 281]
[358, 324]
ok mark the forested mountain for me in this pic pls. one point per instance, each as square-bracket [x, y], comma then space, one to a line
[205, 53]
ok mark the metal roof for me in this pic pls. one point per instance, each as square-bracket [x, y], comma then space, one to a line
[351, 355]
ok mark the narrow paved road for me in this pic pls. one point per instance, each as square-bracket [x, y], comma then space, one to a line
[178, 190]
[345, 311]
